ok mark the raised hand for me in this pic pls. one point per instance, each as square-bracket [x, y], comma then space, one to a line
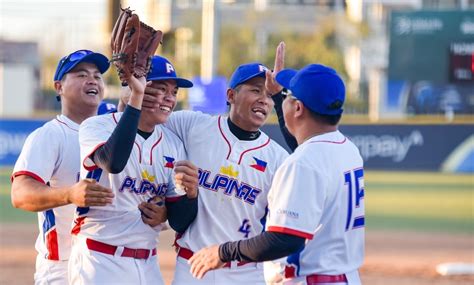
[272, 87]
[150, 101]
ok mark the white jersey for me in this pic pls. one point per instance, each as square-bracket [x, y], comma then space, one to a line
[148, 173]
[51, 156]
[318, 194]
[234, 179]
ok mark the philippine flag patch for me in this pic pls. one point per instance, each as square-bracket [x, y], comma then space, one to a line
[169, 161]
[260, 165]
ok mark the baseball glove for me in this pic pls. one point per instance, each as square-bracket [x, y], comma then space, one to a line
[133, 44]
[148, 42]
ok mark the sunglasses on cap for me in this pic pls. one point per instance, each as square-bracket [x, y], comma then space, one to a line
[75, 56]
[287, 93]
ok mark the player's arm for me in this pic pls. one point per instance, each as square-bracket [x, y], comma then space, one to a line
[31, 195]
[124, 96]
[181, 212]
[275, 90]
[266, 246]
[289, 138]
[113, 155]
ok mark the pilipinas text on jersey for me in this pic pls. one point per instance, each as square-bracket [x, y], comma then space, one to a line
[227, 182]
[146, 184]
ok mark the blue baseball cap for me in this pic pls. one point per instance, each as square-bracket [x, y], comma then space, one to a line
[106, 108]
[70, 61]
[162, 69]
[246, 72]
[319, 88]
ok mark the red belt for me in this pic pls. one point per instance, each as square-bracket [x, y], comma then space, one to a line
[186, 254]
[316, 278]
[137, 253]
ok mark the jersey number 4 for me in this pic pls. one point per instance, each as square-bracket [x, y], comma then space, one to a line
[354, 180]
[245, 228]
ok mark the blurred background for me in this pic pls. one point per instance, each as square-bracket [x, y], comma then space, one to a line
[408, 67]
[405, 62]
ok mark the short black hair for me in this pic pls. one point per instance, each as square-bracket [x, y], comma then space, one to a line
[237, 90]
[332, 120]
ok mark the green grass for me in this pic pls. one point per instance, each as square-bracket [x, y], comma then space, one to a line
[420, 201]
[434, 202]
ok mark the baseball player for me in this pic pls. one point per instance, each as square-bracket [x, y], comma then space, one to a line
[138, 158]
[236, 164]
[46, 175]
[316, 203]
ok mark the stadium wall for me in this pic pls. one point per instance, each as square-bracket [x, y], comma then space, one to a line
[447, 148]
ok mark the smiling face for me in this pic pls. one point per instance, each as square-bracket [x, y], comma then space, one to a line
[250, 105]
[82, 87]
[166, 100]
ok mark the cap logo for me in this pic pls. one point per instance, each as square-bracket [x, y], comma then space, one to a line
[262, 68]
[169, 68]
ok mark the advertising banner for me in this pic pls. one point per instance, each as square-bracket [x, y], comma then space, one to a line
[13, 134]
[409, 147]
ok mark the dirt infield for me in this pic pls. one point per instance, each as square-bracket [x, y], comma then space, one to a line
[400, 258]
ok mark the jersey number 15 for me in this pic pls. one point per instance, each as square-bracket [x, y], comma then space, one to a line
[354, 180]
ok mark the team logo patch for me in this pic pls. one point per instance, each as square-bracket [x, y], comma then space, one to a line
[260, 165]
[229, 171]
[169, 68]
[148, 176]
[169, 161]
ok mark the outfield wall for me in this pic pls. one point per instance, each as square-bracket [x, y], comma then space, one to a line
[447, 148]
[421, 147]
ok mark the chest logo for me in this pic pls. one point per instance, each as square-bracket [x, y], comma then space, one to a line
[147, 176]
[229, 171]
[260, 165]
[169, 161]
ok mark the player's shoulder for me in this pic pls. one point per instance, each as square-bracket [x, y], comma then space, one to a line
[278, 148]
[102, 120]
[54, 128]
[167, 133]
[169, 141]
[334, 139]
[322, 149]
[299, 160]
[185, 115]
[52, 133]
[275, 147]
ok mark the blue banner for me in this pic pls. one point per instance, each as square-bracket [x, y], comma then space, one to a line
[447, 147]
[208, 97]
[13, 134]
[401, 147]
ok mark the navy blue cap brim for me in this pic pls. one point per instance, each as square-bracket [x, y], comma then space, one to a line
[284, 77]
[258, 74]
[100, 60]
[180, 82]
